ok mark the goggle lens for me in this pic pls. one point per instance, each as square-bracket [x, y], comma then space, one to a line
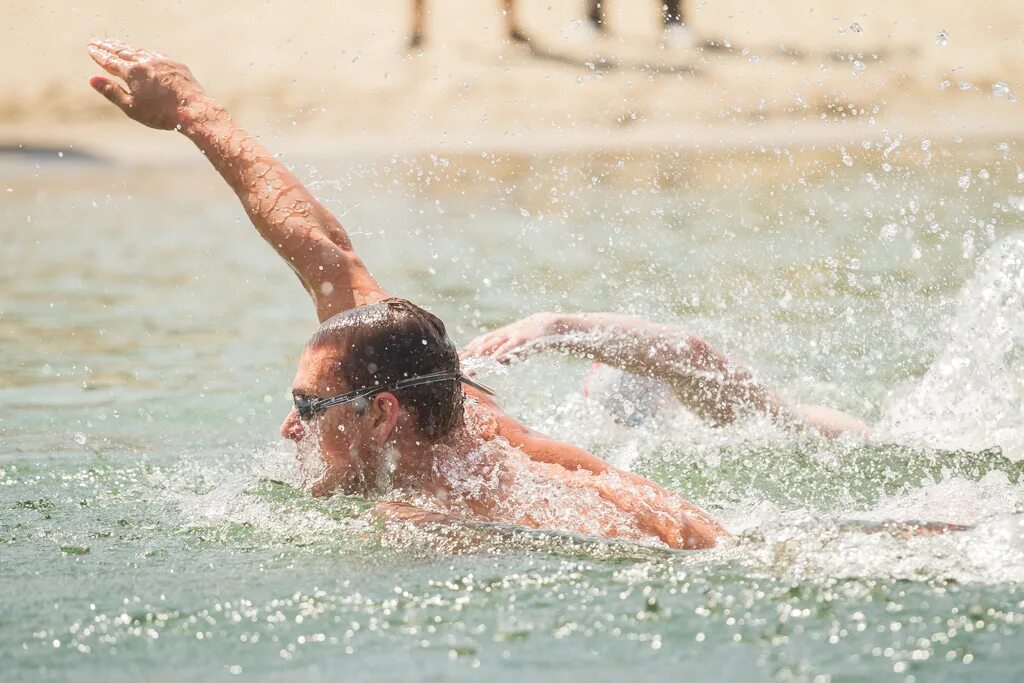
[304, 407]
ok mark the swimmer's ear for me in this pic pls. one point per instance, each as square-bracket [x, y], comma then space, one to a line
[383, 416]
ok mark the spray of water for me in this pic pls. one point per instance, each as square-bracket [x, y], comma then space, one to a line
[972, 397]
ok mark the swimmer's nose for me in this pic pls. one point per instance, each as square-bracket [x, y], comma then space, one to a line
[291, 428]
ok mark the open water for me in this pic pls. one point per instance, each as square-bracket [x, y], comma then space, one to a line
[151, 529]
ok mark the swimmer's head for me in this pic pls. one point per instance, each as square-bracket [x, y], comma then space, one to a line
[631, 400]
[377, 345]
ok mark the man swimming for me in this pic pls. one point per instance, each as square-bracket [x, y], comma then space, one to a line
[379, 391]
[665, 367]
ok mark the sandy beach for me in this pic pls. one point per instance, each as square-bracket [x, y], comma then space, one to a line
[338, 77]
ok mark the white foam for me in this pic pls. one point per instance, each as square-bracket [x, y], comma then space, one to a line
[972, 397]
[804, 543]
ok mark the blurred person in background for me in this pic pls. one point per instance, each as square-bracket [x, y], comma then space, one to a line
[675, 33]
[419, 21]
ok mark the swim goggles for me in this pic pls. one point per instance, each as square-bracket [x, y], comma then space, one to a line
[309, 407]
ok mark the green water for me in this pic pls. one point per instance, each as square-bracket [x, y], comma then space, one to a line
[149, 528]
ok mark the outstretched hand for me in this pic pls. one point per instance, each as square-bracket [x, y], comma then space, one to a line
[160, 92]
[515, 340]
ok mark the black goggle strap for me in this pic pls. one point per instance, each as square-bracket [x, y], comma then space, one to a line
[479, 386]
[315, 406]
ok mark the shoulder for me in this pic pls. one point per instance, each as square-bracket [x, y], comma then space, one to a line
[486, 420]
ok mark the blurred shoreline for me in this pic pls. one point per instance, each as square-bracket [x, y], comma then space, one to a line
[124, 142]
[333, 78]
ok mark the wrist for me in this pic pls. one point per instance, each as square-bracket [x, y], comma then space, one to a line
[554, 324]
[198, 114]
[561, 323]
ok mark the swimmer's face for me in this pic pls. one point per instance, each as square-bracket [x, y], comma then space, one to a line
[342, 436]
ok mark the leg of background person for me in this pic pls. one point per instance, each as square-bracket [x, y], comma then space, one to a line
[595, 14]
[672, 13]
[419, 11]
[675, 33]
[511, 25]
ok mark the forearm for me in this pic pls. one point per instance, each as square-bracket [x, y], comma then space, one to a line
[704, 380]
[301, 230]
[625, 342]
[678, 523]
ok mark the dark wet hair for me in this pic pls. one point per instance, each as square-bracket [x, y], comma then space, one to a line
[393, 340]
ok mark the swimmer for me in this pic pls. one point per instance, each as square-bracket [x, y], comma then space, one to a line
[664, 366]
[379, 394]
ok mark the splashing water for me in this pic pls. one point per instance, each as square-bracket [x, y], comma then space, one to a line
[973, 395]
[148, 530]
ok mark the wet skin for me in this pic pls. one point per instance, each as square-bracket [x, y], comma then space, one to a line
[357, 444]
[703, 380]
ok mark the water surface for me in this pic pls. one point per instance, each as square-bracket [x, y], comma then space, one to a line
[149, 526]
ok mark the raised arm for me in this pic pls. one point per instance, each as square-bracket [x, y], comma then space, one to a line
[163, 94]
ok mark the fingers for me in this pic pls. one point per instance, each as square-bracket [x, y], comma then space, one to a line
[118, 48]
[473, 347]
[485, 344]
[109, 60]
[117, 57]
[509, 351]
[112, 91]
[501, 348]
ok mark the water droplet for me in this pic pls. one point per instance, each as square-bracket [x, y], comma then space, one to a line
[942, 38]
[964, 182]
[81, 438]
[855, 27]
[859, 65]
[1000, 89]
